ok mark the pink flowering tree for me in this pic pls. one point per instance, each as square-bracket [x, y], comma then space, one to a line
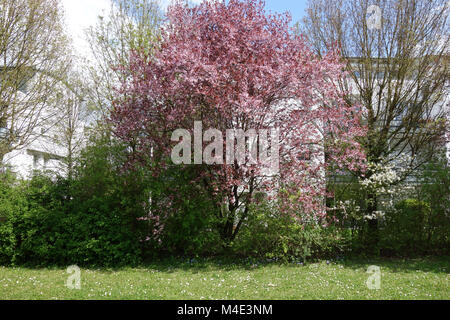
[230, 65]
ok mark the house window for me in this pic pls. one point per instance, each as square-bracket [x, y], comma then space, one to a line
[3, 133]
[404, 111]
[23, 86]
[38, 161]
[379, 75]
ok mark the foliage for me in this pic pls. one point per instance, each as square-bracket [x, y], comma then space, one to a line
[405, 228]
[270, 233]
[107, 203]
[231, 66]
[400, 86]
[183, 214]
[435, 190]
[88, 220]
[129, 24]
[380, 65]
[11, 203]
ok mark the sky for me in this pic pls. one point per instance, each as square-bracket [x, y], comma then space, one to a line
[295, 7]
[80, 14]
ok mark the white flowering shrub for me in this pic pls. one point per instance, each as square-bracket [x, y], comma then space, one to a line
[386, 180]
[380, 178]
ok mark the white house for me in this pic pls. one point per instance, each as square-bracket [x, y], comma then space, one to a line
[47, 146]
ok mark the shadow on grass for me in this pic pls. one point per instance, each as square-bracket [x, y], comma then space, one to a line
[433, 264]
[198, 265]
[424, 264]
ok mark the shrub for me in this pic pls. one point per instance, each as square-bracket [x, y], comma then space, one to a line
[435, 189]
[105, 206]
[90, 219]
[405, 228]
[269, 233]
[187, 217]
[13, 205]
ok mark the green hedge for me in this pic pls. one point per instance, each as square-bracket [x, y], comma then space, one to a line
[88, 220]
[95, 218]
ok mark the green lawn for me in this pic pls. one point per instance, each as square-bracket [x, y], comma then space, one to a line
[400, 279]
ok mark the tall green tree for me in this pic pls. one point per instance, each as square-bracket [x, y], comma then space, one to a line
[129, 24]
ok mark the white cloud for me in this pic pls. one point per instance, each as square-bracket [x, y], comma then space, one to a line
[81, 14]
